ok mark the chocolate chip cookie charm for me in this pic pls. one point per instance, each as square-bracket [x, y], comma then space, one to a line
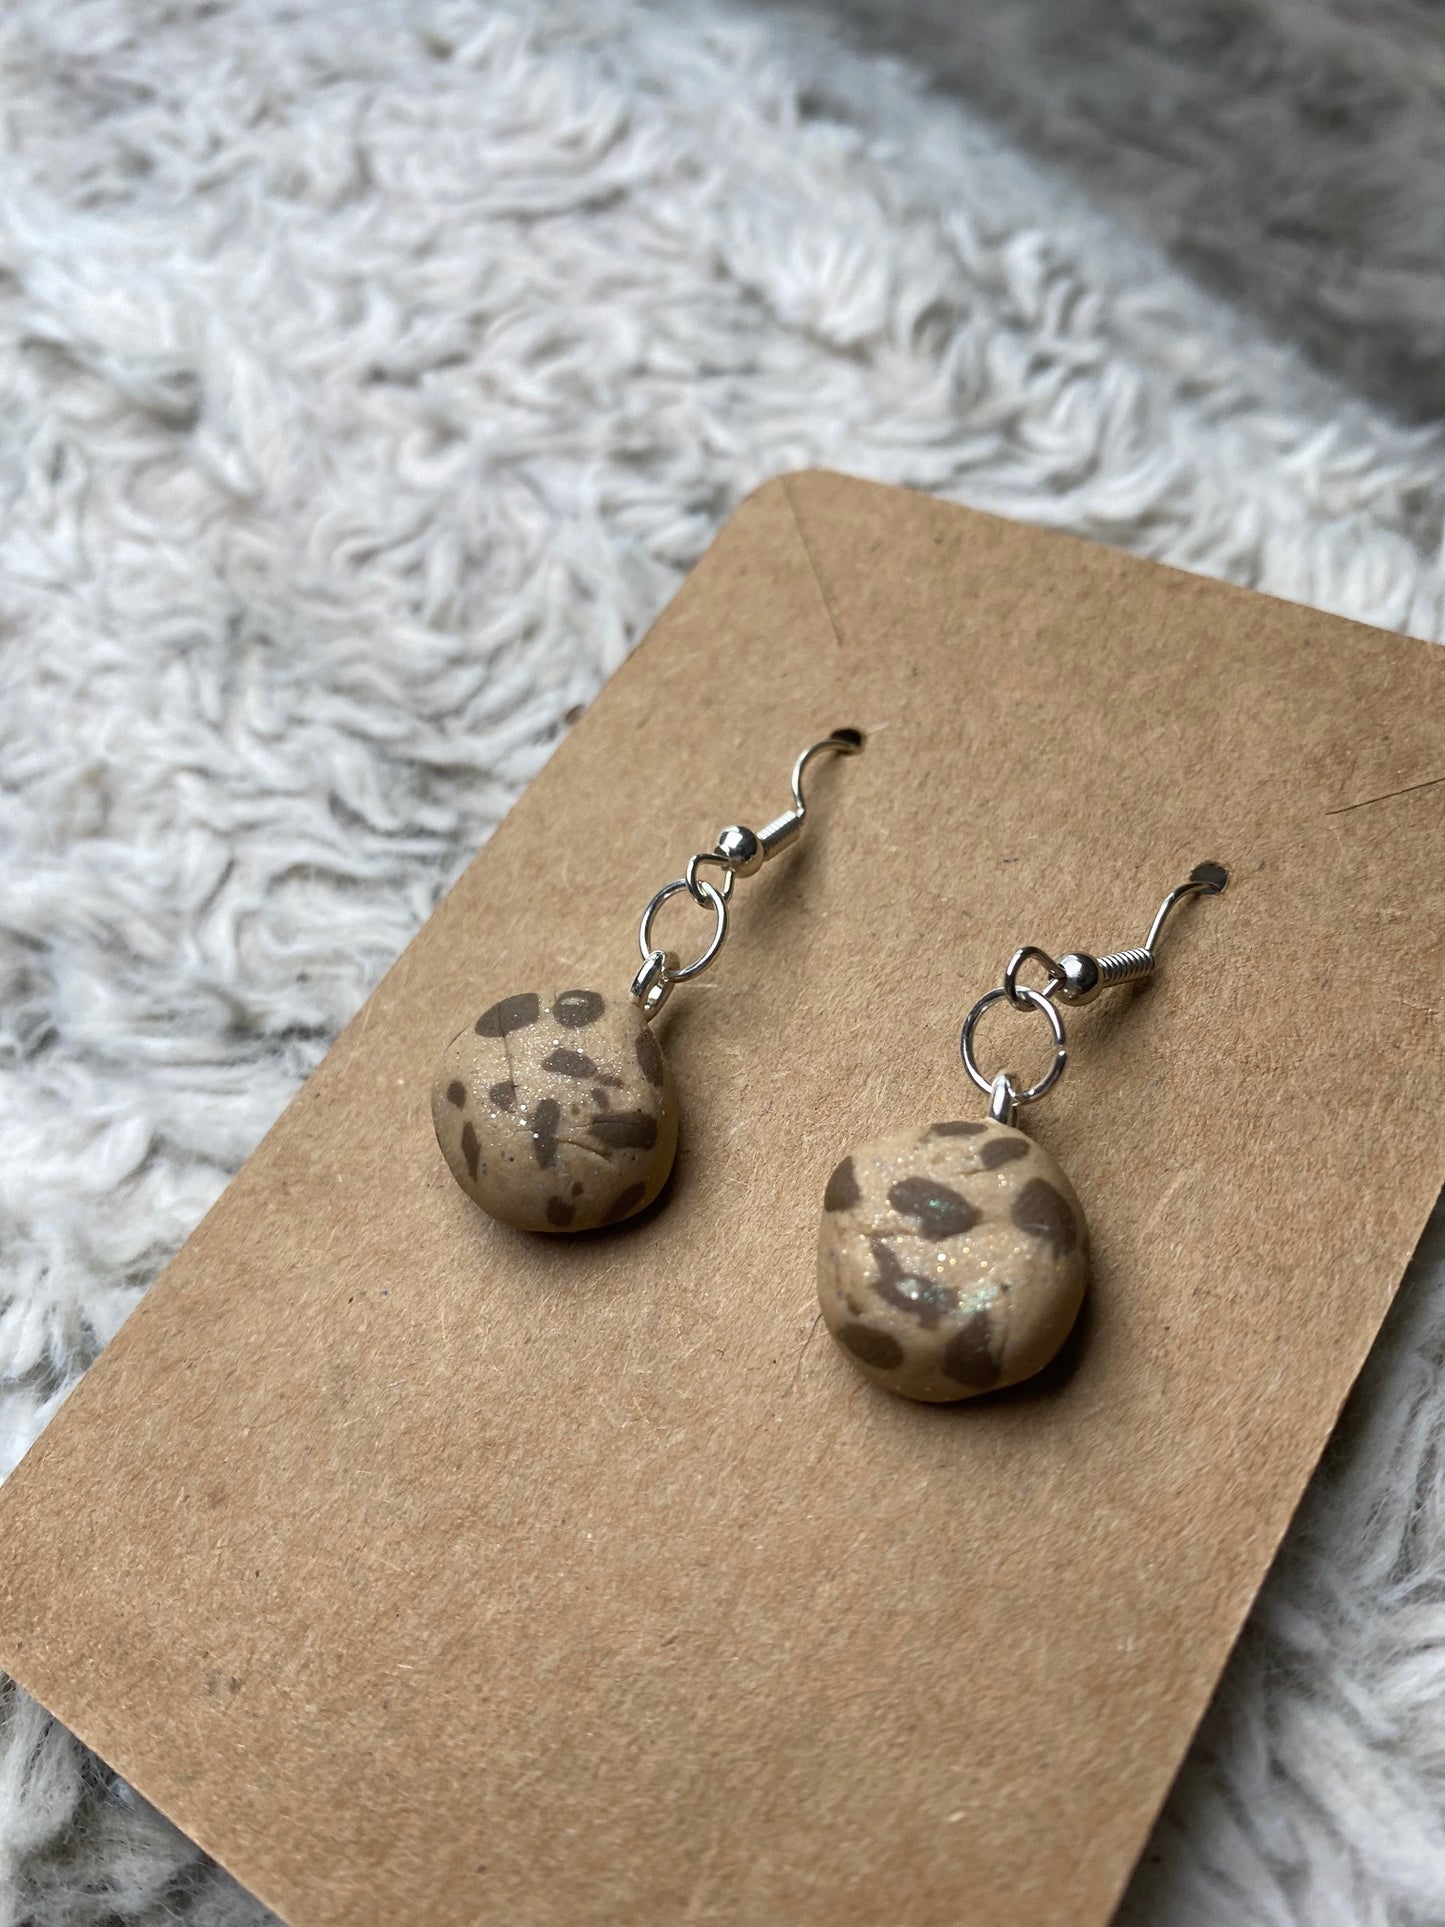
[555, 1109]
[952, 1259]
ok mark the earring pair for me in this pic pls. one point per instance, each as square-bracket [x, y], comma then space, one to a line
[952, 1258]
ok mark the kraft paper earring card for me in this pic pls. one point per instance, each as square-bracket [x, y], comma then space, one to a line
[424, 1569]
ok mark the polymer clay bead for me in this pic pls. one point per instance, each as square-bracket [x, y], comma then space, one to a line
[555, 1110]
[952, 1259]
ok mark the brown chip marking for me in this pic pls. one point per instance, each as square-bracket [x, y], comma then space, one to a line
[512, 1013]
[569, 1063]
[649, 1059]
[1001, 1150]
[576, 1009]
[941, 1211]
[625, 1130]
[625, 1203]
[968, 1357]
[471, 1149]
[921, 1298]
[842, 1192]
[545, 1120]
[457, 1094]
[881, 1350]
[1043, 1211]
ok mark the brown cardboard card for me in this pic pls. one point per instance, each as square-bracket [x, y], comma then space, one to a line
[423, 1570]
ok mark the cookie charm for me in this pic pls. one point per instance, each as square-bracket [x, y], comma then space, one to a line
[953, 1258]
[555, 1109]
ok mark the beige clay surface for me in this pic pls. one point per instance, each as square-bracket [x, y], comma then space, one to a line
[952, 1259]
[555, 1110]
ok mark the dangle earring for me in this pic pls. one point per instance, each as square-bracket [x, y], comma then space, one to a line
[555, 1110]
[952, 1260]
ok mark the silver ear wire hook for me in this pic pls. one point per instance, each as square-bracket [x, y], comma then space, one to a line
[746, 851]
[1083, 976]
[1076, 978]
[739, 852]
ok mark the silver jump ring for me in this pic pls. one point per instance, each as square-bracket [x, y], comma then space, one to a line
[710, 894]
[694, 882]
[1037, 999]
[653, 984]
[1030, 953]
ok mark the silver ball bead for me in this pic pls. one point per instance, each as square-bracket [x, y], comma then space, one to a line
[1082, 978]
[741, 848]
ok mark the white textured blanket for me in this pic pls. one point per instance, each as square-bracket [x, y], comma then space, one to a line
[370, 376]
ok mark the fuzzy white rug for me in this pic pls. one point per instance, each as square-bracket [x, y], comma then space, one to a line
[369, 377]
